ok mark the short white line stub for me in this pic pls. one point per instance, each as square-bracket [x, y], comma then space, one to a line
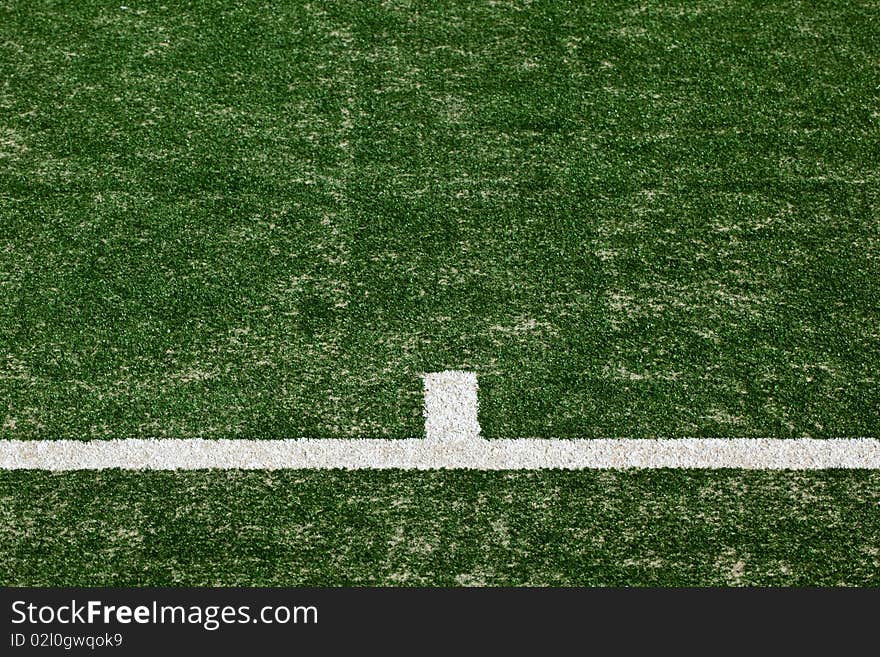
[451, 407]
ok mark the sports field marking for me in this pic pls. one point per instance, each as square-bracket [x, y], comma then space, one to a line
[453, 442]
[417, 454]
[451, 407]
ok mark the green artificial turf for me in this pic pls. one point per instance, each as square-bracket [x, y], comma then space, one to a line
[266, 220]
[440, 528]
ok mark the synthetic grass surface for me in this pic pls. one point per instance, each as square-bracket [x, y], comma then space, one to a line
[440, 528]
[251, 220]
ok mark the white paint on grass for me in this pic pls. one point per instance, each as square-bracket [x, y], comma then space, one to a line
[417, 454]
[452, 442]
[451, 407]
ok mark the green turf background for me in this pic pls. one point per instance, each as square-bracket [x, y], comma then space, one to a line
[440, 528]
[266, 220]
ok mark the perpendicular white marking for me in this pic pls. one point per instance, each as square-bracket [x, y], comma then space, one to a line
[451, 406]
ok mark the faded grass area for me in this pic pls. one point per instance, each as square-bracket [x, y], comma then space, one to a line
[295, 528]
[629, 220]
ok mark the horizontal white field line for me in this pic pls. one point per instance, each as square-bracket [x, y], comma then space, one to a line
[420, 454]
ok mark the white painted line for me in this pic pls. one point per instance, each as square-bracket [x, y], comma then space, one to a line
[418, 454]
[451, 407]
[452, 442]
